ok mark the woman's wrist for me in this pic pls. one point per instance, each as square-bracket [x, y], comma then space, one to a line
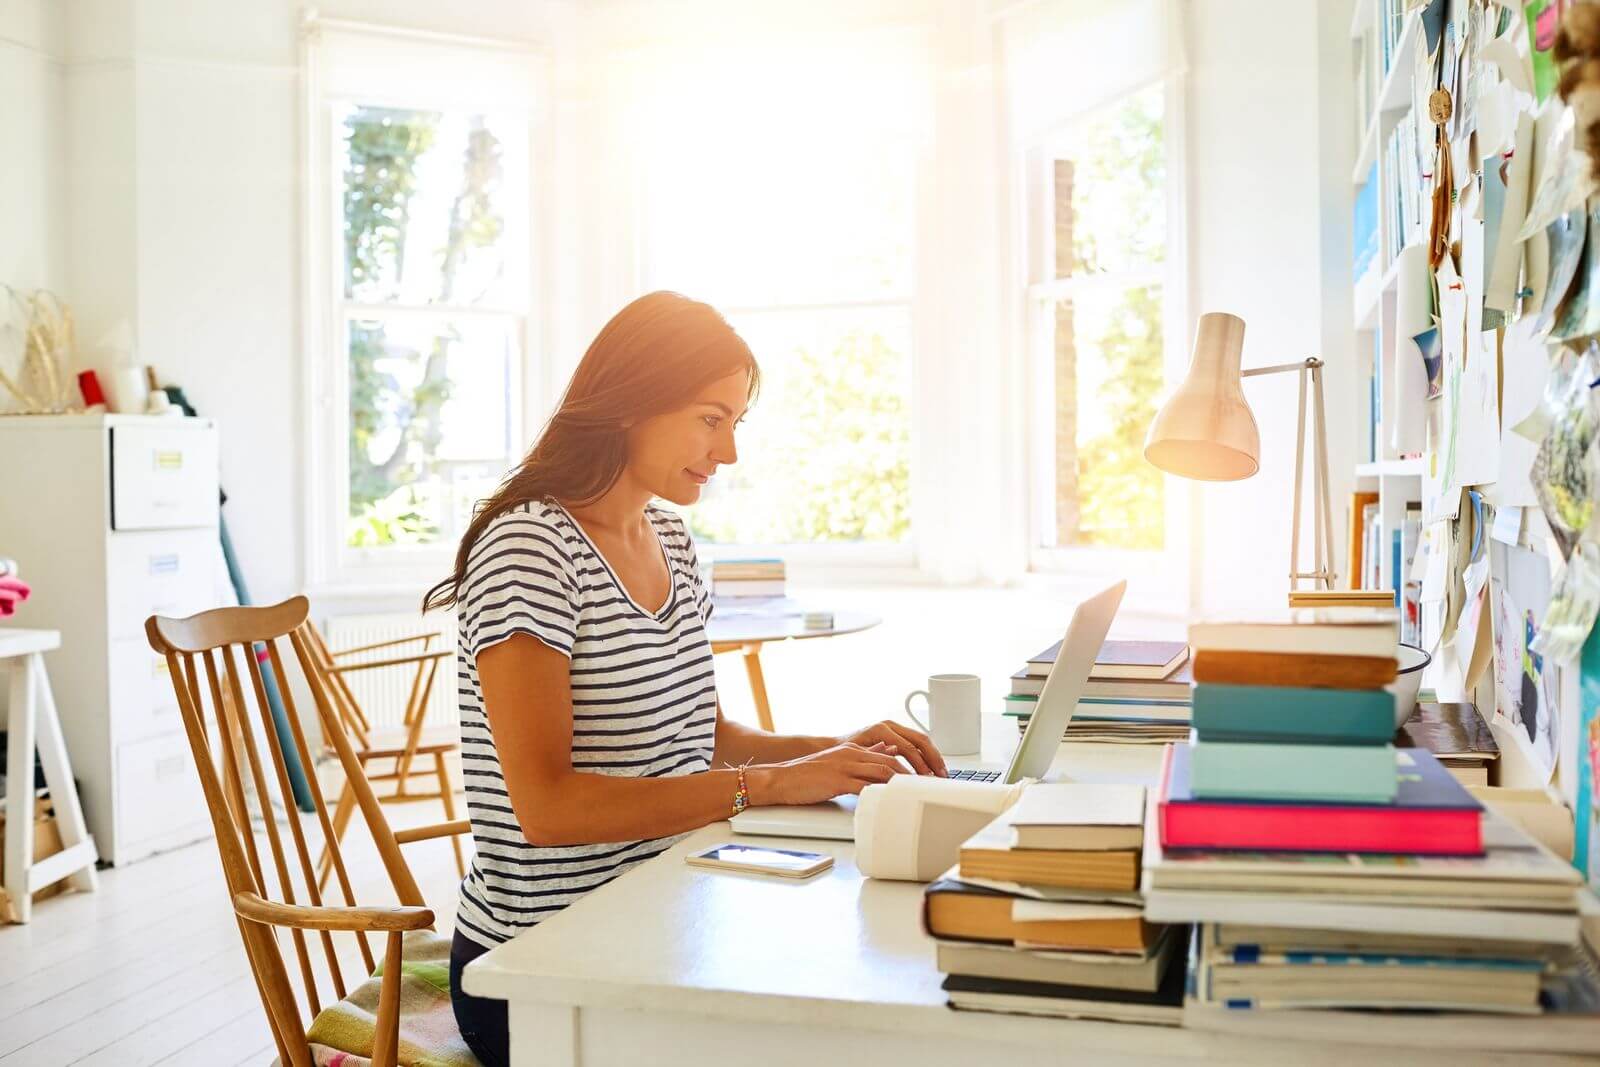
[759, 784]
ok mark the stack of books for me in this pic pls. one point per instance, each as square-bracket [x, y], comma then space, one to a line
[1455, 733]
[747, 578]
[1323, 867]
[1042, 915]
[1137, 693]
[1293, 709]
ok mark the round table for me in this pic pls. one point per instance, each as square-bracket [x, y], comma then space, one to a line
[732, 630]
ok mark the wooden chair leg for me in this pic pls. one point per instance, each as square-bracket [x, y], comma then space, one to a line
[341, 819]
[448, 797]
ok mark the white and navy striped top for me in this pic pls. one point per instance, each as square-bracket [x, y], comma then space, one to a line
[644, 700]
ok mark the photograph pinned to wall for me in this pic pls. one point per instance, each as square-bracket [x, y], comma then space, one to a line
[1525, 684]
[1428, 344]
[1574, 603]
[1579, 312]
[1561, 473]
[1565, 240]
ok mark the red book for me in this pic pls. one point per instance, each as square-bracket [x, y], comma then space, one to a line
[1432, 815]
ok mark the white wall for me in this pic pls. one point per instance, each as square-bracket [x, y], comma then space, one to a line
[32, 147]
[1269, 160]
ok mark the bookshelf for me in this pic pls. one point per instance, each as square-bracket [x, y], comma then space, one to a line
[1387, 51]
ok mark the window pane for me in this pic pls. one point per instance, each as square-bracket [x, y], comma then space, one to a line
[430, 210]
[431, 425]
[1107, 347]
[1110, 190]
[825, 453]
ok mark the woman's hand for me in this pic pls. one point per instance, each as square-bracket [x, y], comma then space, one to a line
[845, 768]
[914, 746]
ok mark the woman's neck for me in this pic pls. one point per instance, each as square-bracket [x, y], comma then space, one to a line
[619, 513]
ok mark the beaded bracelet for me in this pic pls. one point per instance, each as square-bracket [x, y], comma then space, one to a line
[741, 796]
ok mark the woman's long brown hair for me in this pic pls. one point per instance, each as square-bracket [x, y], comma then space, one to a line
[654, 356]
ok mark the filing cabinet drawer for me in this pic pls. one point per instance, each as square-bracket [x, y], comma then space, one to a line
[159, 800]
[166, 572]
[142, 699]
[163, 476]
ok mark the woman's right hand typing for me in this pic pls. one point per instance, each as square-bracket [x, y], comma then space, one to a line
[843, 769]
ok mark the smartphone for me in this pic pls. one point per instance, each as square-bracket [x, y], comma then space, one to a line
[783, 862]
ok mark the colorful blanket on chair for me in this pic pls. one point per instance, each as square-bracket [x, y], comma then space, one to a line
[341, 1035]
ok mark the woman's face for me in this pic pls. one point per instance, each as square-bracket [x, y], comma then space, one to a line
[673, 455]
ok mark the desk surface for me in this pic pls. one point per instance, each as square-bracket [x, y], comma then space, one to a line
[837, 952]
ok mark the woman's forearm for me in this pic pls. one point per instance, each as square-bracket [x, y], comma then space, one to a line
[737, 743]
[587, 808]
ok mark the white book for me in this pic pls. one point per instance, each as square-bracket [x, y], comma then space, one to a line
[1304, 631]
[1379, 915]
[1078, 815]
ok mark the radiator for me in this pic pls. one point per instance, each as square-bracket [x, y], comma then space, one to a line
[382, 692]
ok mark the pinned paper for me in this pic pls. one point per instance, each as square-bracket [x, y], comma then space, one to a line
[1413, 316]
[1507, 527]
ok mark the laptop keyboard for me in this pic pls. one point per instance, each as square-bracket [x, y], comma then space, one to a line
[974, 776]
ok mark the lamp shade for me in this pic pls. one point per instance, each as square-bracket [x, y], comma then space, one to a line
[1205, 429]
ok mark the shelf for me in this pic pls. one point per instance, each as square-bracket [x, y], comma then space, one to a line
[1365, 154]
[1390, 468]
[1395, 95]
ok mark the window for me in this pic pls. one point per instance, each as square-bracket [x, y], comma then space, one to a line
[431, 288]
[788, 205]
[1100, 231]
[418, 294]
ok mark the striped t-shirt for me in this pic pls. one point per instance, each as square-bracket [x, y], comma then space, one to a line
[643, 699]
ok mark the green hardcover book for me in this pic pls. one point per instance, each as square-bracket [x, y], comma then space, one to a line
[1348, 774]
[1293, 716]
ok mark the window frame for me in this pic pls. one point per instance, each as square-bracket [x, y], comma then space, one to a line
[331, 566]
[1158, 579]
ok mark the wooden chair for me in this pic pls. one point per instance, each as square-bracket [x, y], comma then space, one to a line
[401, 747]
[276, 888]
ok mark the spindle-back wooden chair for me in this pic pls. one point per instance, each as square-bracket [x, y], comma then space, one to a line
[393, 751]
[228, 722]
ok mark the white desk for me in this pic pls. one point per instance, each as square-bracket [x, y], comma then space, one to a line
[670, 964]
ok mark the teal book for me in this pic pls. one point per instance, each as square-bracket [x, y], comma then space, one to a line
[1291, 715]
[1349, 774]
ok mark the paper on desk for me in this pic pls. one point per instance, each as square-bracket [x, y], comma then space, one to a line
[1034, 911]
[1044, 892]
[913, 826]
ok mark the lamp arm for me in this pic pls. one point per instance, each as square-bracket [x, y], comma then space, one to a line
[1312, 363]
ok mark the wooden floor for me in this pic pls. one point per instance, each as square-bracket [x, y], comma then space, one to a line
[150, 968]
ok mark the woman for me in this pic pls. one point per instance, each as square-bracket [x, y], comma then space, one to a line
[591, 734]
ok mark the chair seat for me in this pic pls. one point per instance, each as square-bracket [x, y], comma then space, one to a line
[393, 742]
[428, 1033]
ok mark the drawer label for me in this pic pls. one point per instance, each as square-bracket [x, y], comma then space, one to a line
[164, 564]
[168, 459]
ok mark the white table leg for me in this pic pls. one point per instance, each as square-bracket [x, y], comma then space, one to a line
[19, 785]
[543, 1035]
[75, 840]
[34, 726]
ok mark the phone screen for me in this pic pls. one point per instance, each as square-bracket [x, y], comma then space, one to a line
[772, 859]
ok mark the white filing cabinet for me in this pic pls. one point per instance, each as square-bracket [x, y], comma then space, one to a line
[113, 518]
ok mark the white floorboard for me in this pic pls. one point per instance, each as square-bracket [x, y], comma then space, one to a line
[150, 969]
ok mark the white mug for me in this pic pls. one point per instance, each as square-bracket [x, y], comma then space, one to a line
[953, 706]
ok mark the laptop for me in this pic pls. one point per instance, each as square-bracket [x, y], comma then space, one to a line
[1091, 621]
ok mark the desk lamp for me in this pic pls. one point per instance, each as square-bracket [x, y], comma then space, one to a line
[1205, 431]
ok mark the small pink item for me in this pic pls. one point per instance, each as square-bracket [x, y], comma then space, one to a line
[13, 591]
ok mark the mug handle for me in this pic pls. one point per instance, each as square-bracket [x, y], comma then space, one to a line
[923, 693]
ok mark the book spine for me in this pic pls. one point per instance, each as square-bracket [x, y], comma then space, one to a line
[1361, 774]
[1309, 671]
[1305, 828]
[1291, 713]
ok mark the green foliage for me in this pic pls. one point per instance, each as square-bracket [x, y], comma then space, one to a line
[831, 463]
[383, 149]
[1120, 497]
[1119, 222]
